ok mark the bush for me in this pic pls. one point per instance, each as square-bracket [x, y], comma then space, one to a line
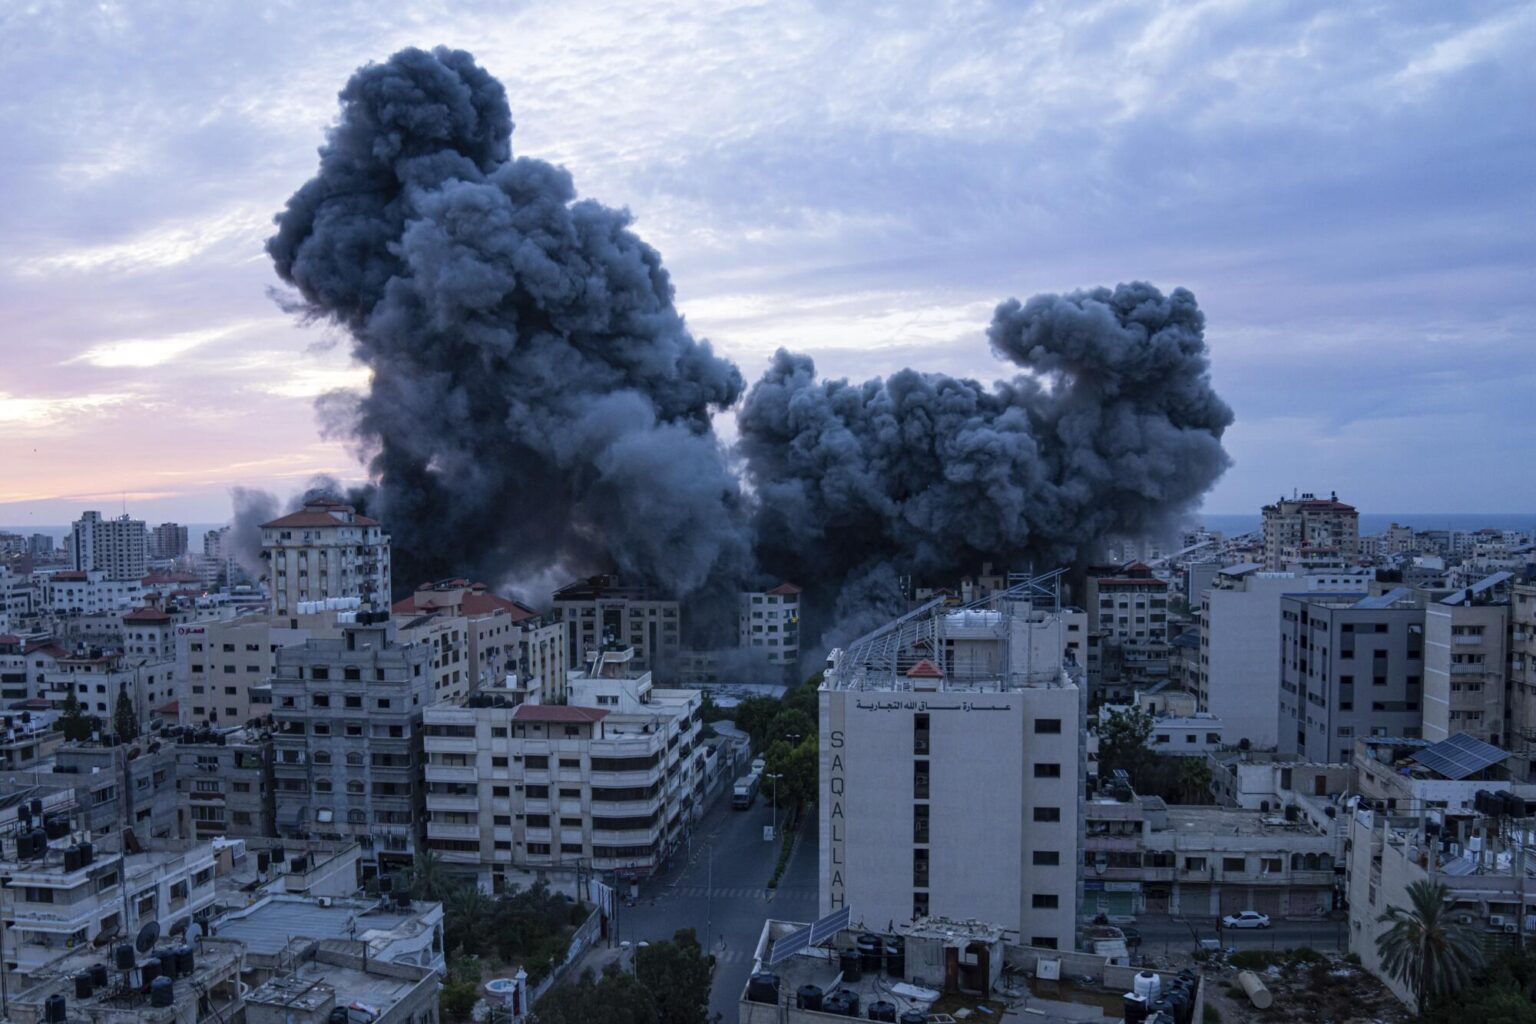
[1254, 959]
[1306, 955]
[457, 1000]
[1211, 1015]
[1353, 959]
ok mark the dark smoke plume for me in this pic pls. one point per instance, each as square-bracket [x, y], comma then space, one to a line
[1115, 432]
[536, 400]
[537, 403]
[253, 506]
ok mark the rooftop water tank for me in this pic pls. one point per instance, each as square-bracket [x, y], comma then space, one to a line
[808, 997]
[763, 988]
[1147, 985]
[162, 992]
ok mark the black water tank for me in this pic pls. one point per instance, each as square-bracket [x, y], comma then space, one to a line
[763, 988]
[1134, 1008]
[98, 975]
[881, 1010]
[895, 958]
[871, 949]
[279, 855]
[24, 846]
[836, 1003]
[37, 807]
[338, 1016]
[848, 962]
[808, 997]
[72, 858]
[186, 960]
[122, 956]
[53, 1009]
[162, 992]
[87, 854]
[149, 970]
[299, 864]
[56, 828]
[40, 842]
[263, 862]
[84, 986]
[24, 813]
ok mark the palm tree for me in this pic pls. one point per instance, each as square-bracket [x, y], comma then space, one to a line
[1426, 950]
[1194, 779]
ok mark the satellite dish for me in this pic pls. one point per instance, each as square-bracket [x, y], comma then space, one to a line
[147, 937]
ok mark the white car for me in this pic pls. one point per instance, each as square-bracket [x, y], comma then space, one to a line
[1247, 919]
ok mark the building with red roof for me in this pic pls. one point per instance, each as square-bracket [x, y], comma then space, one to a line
[325, 550]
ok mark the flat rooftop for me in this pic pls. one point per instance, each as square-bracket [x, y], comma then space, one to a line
[1233, 821]
[312, 984]
[268, 927]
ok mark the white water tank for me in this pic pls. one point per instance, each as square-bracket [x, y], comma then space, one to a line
[1147, 985]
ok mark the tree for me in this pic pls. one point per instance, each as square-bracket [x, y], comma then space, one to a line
[428, 879]
[75, 723]
[799, 766]
[124, 720]
[1194, 780]
[677, 974]
[1424, 948]
[616, 998]
[1123, 742]
[1504, 992]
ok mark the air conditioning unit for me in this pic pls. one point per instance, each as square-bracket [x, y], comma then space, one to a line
[324, 901]
[1511, 929]
[1463, 918]
[1496, 920]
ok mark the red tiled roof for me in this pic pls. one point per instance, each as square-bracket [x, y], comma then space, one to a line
[52, 650]
[475, 602]
[925, 669]
[786, 589]
[169, 709]
[70, 575]
[557, 713]
[9, 638]
[487, 604]
[313, 517]
[36, 704]
[146, 615]
[156, 578]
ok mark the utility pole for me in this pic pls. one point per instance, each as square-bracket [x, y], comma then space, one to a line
[776, 778]
[709, 897]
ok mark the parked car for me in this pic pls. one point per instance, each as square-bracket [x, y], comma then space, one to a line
[1247, 919]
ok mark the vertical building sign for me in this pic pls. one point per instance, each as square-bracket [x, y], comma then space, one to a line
[837, 818]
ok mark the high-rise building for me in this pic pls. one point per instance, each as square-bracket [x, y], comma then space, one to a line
[605, 609]
[1522, 668]
[322, 551]
[1466, 634]
[1295, 528]
[347, 745]
[114, 547]
[769, 624]
[482, 637]
[1349, 666]
[1239, 664]
[1128, 624]
[168, 540]
[946, 727]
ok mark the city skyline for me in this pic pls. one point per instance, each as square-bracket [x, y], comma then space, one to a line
[1017, 160]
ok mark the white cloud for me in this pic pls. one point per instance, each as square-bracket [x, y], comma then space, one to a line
[141, 353]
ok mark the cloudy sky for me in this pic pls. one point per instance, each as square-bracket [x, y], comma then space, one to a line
[1349, 189]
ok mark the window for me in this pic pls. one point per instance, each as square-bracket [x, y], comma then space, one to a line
[1047, 726]
[1047, 813]
[1044, 770]
[570, 762]
[1044, 901]
[1234, 864]
[536, 762]
[1043, 941]
[1047, 858]
[498, 762]
[1194, 863]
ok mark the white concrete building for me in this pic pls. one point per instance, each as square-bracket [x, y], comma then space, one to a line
[605, 609]
[1308, 525]
[770, 624]
[1239, 679]
[117, 548]
[325, 550]
[605, 782]
[83, 592]
[952, 769]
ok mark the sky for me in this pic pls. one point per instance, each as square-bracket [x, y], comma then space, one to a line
[1349, 190]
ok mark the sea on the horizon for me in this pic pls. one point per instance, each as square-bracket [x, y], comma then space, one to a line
[1374, 523]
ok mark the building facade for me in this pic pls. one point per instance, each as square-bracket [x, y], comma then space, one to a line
[1466, 638]
[1350, 666]
[347, 740]
[323, 551]
[604, 609]
[769, 623]
[1297, 527]
[946, 727]
[117, 548]
[168, 540]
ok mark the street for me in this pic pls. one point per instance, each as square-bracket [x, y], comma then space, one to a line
[1161, 935]
[723, 898]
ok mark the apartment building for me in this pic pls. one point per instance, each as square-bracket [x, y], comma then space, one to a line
[347, 739]
[1350, 666]
[946, 725]
[606, 782]
[114, 547]
[1142, 856]
[88, 592]
[168, 540]
[1128, 619]
[1466, 639]
[1305, 525]
[1522, 668]
[97, 677]
[1238, 677]
[769, 623]
[76, 893]
[224, 779]
[227, 665]
[603, 609]
[25, 665]
[483, 637]
[325, 550]
[149, 634]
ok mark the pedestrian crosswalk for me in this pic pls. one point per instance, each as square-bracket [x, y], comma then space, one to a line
[739, 892]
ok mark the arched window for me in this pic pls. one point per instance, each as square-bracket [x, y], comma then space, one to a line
[322, 757]
[354, 757]
[354, 786]
[1296, 862]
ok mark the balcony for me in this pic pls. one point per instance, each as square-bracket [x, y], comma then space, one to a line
[451, 773]
[446, 830]
[447, 802]
[449, 744]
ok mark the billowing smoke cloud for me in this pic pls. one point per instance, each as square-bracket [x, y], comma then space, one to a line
[1114, 431]
[254, 506]
[537, 403]
[537, 399]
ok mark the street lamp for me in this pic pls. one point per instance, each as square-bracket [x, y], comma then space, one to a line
[775, 778]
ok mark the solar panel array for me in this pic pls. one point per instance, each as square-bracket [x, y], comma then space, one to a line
[787, 946]
[1459, 756]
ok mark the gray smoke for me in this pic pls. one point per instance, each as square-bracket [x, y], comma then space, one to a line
[253, 506]
[536, 399]
[538, 402]
[1115, 430]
